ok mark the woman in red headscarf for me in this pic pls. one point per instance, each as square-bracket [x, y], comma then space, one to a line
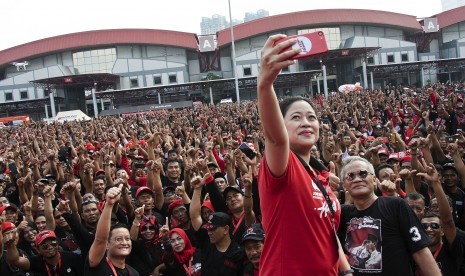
[180, 258]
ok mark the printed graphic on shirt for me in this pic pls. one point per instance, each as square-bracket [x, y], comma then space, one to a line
[363, 244]
[320, 200]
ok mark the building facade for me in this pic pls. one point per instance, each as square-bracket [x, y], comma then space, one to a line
[121, 68]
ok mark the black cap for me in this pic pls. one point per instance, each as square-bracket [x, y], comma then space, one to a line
[217, 219]
[168, 189]
[232, 188]
[255, 232]
[212, 164]
[449, 166]
[378, 126]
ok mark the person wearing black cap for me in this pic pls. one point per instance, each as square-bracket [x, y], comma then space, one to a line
[220, 255]
[451, 183]
[252, 241]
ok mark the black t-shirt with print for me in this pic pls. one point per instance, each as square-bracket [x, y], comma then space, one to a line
[104, 269]
[381, 239]
[71, 264]
[7, 270]
[214, 262]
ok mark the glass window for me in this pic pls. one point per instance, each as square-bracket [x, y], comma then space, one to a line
[156, 80]
[404, 57]
[98, 60]
[332, 35]
[371, 60]
[8, 96]
[173, 78]
[390, 58]
[285, 69]
[247, 71]
[134, 82]
[23, 94]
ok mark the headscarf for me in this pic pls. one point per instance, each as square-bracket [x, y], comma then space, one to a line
[184, 256]
[152, 220]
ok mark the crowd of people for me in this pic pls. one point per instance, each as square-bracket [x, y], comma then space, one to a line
[368, 182]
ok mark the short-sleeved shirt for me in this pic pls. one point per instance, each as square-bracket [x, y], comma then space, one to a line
[450, 257]
[381, 239]
[104, 269]
[297, 221]
[71, 264]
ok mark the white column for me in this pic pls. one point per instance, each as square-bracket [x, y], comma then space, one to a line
[372, 82]
[365, 78]
[46, 111]
[318, 85]
[159, 98]
[52, 102]
[101, 103]
[325, 81]
[211, 95]
[94, 100]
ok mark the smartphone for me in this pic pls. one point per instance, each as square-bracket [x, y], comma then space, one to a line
[452, 138]
[247, 151]
[310, 44]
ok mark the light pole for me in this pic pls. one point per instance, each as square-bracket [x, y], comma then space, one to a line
[236, 82]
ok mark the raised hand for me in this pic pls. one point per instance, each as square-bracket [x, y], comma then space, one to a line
[333, 179]
[139, 212]
[49, 190]
[62, 208]
[431, 175]
[165, 229]
[114, 194]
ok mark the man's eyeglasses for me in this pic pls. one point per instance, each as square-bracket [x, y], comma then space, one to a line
[362, 174]
[46, 246]
[433, 225]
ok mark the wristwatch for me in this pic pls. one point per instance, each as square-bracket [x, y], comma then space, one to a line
[345, 272]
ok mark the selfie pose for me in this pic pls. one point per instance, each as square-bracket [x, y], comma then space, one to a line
[300, 229]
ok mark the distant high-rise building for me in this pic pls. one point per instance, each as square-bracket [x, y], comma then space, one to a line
[249, 16]
[451, 4]
[215, 23]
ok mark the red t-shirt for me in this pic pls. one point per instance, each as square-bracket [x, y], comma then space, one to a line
[300, 239]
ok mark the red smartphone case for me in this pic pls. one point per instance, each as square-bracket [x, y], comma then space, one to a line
[310, 44]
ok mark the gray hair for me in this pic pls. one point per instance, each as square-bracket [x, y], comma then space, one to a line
[352, 159]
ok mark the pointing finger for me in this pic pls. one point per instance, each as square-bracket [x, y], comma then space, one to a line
[332, 167]
[167, 222]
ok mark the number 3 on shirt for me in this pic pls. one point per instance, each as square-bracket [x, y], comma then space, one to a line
[416, 234]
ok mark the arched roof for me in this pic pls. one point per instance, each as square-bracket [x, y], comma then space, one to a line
[450, 17]
[97, 38]
[325, 17]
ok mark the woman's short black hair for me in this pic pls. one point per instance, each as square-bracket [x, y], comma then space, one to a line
[284, 104]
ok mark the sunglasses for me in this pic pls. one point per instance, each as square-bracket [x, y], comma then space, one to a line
[362, 174]
[433, 225]
[46, 246]
[147, 228]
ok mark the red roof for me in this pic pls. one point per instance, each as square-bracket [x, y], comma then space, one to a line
[97, 38]
[450, 17]
[317, 18]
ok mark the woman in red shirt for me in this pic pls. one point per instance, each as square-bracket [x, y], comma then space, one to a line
[298, 221]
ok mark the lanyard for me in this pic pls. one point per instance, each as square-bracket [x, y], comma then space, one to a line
[437, 251]
[330, 206]
[112, 267]
[57, 270]
[188, 269]
[236, 226]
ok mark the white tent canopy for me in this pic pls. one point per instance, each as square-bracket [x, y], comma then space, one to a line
[73, 115]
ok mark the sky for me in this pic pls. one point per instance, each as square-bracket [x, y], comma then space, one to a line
[24, 21]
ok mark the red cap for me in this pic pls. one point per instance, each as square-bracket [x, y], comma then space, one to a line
[370, 138]
[99, 172]
[143, 143]
[407, 158]
[143, 189]
[174, 204]
[129, 144]
[43, 235]
[6, 206]
[112, 144]
[383, 151]
[90, 146]
[7, 226]
[394, 155]
[209, 205]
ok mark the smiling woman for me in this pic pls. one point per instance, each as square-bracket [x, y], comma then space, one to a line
[293, 185]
